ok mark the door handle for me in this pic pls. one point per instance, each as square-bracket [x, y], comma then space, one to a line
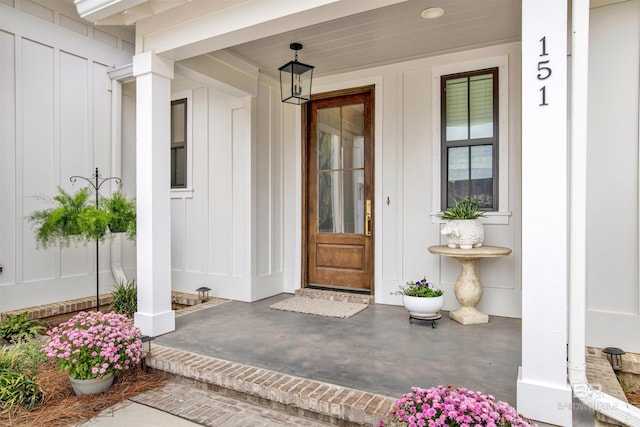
[367, 219]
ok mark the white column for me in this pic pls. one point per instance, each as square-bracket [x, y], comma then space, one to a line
[153, 113]
[543, 390]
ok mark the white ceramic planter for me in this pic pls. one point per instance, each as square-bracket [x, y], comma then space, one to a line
[464, 233]
[93, 385]
[423, 308]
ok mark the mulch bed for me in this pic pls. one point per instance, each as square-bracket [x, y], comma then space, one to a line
[633, 396]
[61, 407]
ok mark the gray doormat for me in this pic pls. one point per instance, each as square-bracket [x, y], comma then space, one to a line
[321, 307]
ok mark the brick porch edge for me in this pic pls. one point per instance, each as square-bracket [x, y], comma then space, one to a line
[325, 402]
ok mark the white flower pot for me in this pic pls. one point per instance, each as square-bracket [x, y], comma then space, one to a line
[94, 385]
[423, 308]
[464, 233]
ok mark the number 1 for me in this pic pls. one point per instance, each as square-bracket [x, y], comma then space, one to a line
[544, 46]
[543, 91]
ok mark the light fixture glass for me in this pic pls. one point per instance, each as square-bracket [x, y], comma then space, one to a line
[432, 13]
[295, 79]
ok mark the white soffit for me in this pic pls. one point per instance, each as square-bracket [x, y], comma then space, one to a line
[94, 10]
[201, 26]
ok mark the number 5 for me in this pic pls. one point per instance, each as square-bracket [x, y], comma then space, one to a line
[545, 72]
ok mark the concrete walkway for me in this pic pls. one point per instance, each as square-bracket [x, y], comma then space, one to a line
[178, 405]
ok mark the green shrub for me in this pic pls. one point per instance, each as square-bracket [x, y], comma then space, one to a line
[17, 388]
[125, 298]
[19, 327]
[18, 366]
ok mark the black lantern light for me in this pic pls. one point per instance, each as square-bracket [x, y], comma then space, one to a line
[203, 293]
[295, 79]
[614, 355]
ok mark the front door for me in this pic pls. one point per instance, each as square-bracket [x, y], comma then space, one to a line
[340, 217]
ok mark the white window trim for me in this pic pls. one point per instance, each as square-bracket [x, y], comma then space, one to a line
[187, 191]
[501, 216]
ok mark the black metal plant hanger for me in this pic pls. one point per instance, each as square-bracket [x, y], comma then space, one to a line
[96, 184]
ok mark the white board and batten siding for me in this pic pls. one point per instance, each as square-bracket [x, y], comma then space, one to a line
[227, 229]
[407, 175]
[613, 257]
[55, 123]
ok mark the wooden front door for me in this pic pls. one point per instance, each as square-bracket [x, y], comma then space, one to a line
[339, 191]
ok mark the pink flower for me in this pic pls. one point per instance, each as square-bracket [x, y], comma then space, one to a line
[91, 344]
[448, 406]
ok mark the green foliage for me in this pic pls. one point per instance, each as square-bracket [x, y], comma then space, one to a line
[58, 226]
[19, 327]
[125, 298]
[420, 288]
[122, 214]
[18, 365]
[463, 209]
[93, 222]
[17, 388]
[74, 218]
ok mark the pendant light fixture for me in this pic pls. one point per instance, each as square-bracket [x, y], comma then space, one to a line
[295, 79]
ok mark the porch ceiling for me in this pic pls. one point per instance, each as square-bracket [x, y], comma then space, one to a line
[389, 34]
[378, 36]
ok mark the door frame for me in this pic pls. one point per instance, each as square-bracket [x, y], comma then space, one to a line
[304, 252]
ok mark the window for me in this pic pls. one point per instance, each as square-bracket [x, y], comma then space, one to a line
[179, 143]
[469, 138]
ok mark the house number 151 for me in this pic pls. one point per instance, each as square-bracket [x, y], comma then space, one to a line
[544, 71]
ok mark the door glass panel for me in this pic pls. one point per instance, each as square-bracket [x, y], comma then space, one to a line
[341, 169]
[353, 201]
[329, 134]
[353, 136]
[328, 202]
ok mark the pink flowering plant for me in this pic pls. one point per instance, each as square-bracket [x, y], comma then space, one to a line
[452, 407]
[93, 344]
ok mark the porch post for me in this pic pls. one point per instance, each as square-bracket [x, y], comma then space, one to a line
[543, 390]
[153, 113]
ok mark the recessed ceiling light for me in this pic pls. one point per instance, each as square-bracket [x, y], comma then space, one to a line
[432, 13]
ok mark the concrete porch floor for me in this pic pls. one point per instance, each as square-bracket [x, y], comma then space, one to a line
[351, 369]
[377, 350]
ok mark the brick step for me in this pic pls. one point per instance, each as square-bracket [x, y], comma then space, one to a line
[324, 402]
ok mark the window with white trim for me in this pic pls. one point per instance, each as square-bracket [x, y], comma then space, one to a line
[499, 212]
[181, 151]
[470, 138]
[179, 143]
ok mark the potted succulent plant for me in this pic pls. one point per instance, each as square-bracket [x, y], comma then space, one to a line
[463, 228]
[421, 299]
